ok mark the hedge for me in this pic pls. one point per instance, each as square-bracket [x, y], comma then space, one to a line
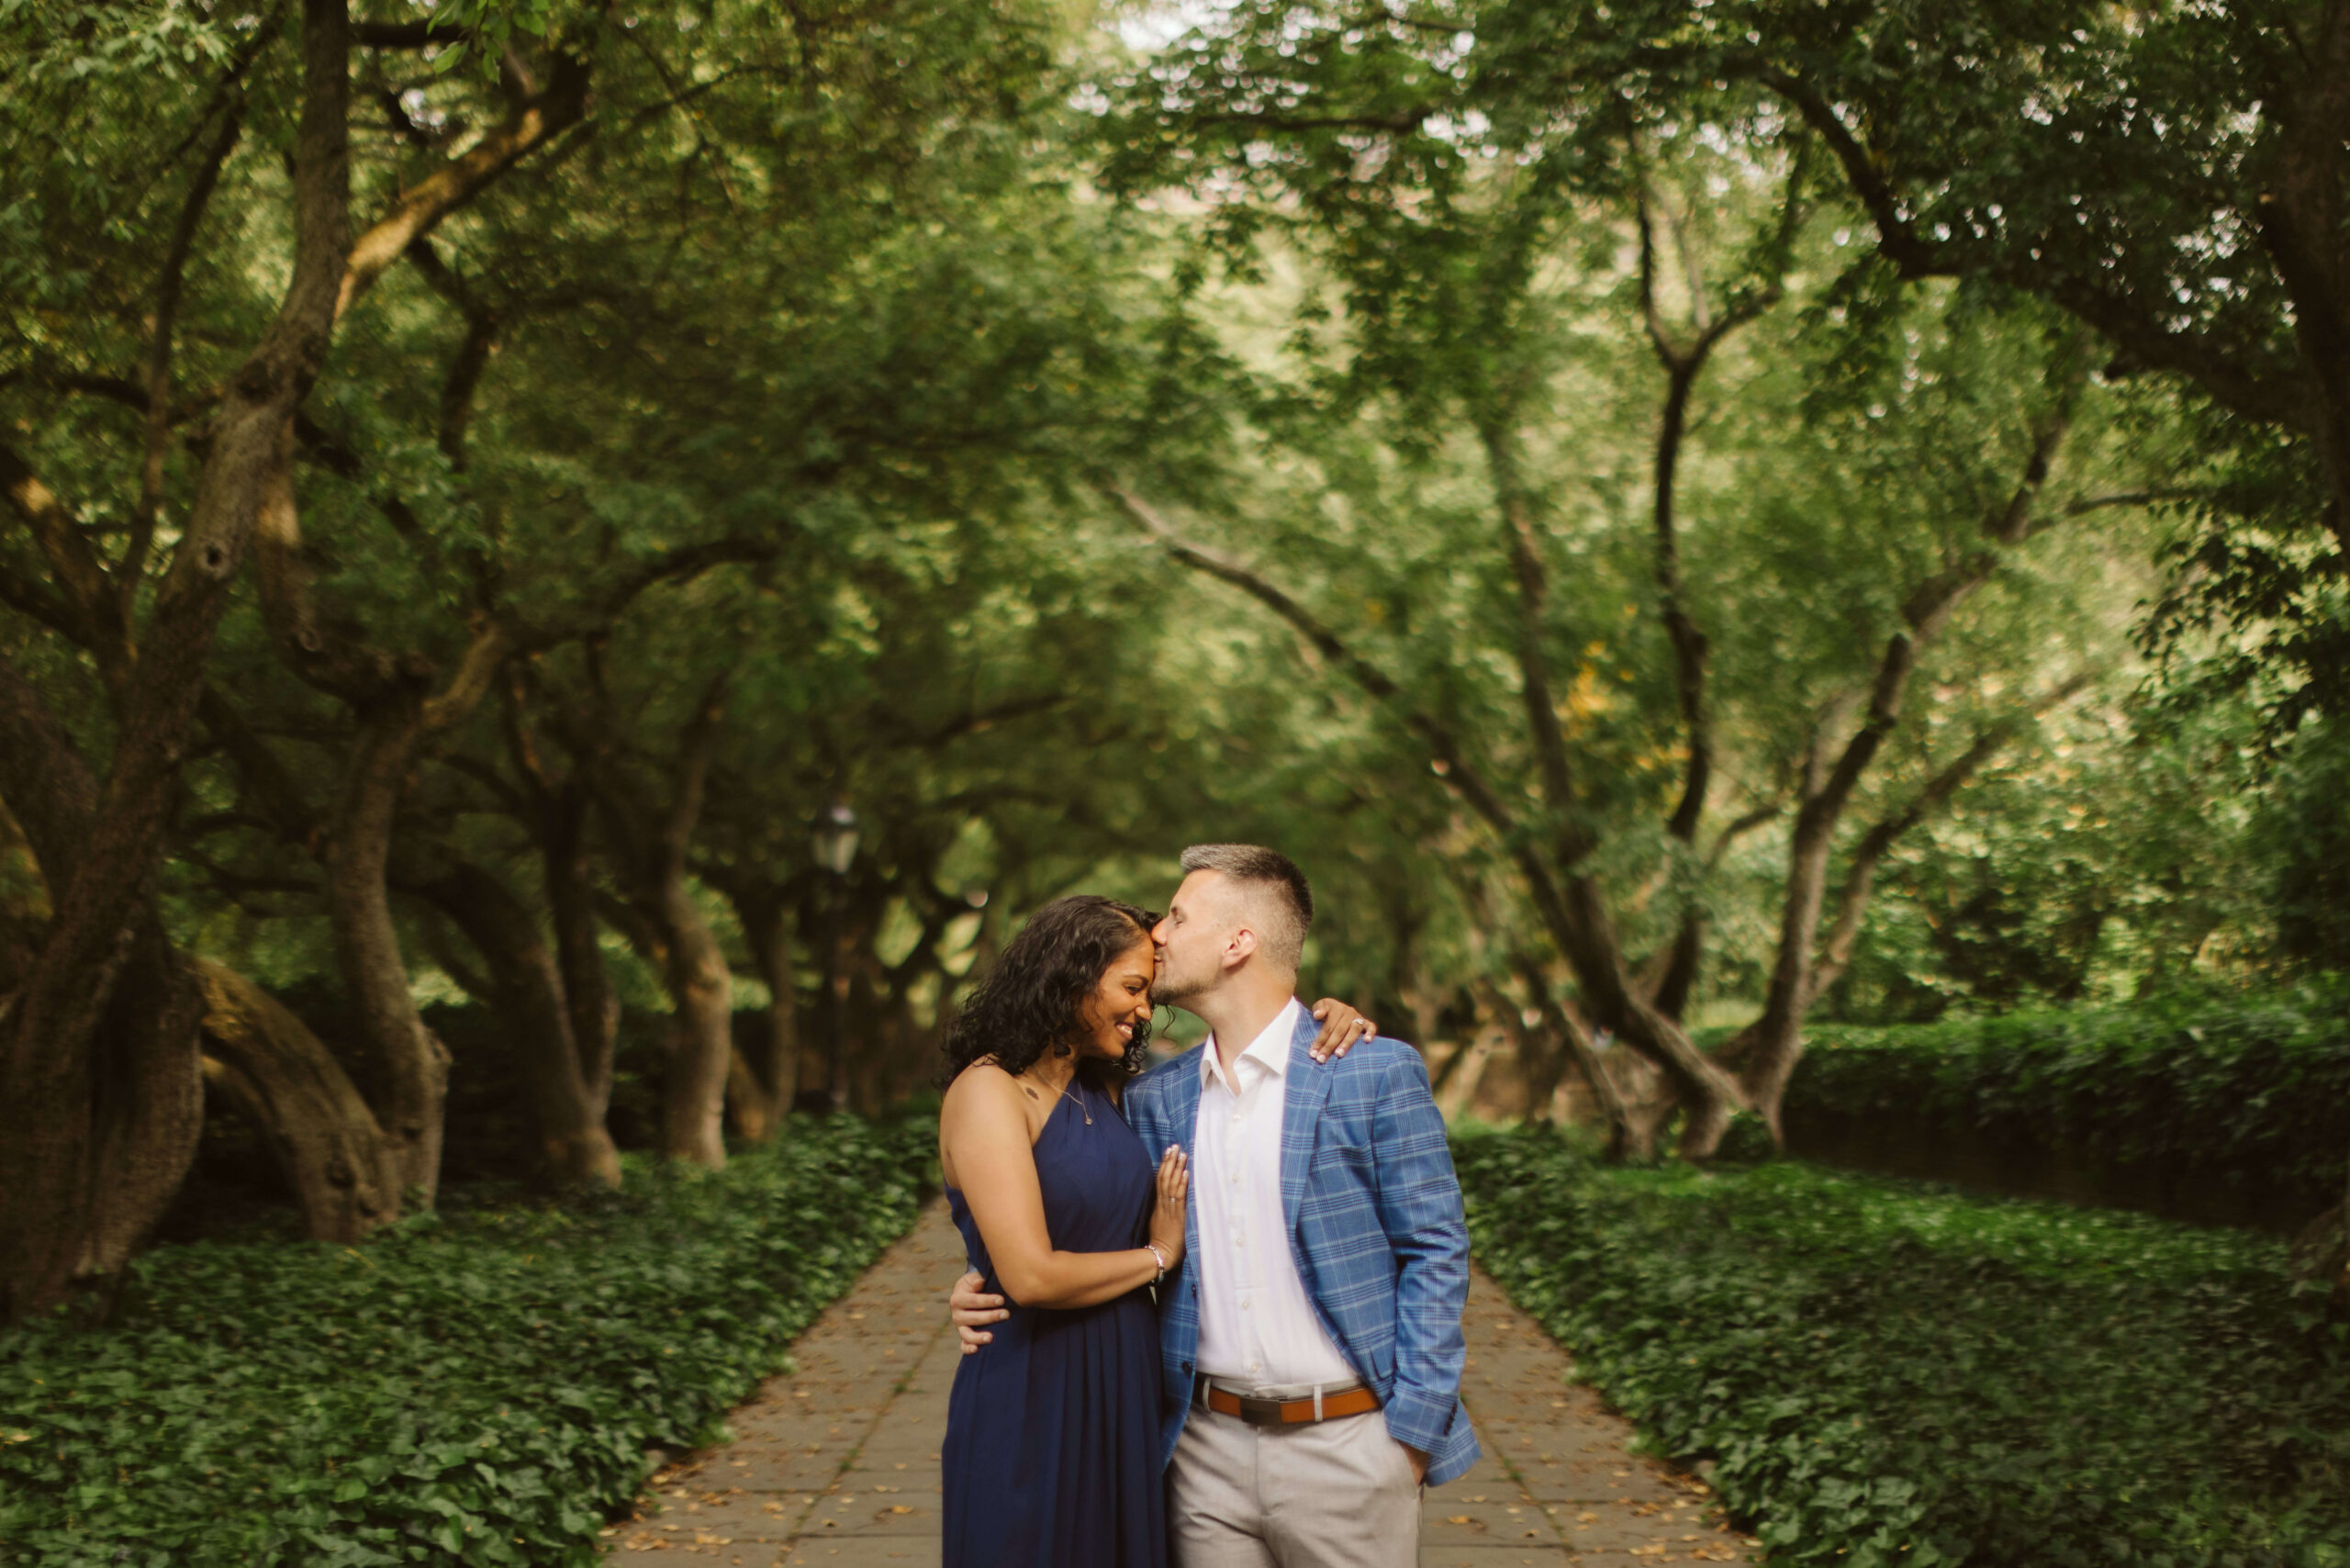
[2218, 1110]
[1875, 1373]
[469, 1387]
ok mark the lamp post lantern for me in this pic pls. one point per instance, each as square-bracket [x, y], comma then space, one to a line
[833, 845]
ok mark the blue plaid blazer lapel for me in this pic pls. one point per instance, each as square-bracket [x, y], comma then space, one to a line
[1303, 1095]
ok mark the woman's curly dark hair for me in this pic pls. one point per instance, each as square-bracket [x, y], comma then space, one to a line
[1028, 1004]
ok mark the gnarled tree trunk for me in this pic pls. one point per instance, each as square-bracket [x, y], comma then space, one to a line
[97, 1044]
[411, 1062]
[272, 1071]
[115, 1156]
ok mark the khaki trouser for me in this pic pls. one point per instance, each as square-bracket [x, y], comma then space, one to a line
[1336, 1494]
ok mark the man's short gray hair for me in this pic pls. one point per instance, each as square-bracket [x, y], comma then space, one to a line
[1278, 885]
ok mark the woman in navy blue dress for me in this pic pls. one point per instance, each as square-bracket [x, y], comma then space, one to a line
[1052, 1451]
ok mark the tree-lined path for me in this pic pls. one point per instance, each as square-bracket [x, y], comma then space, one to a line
[835, 1465]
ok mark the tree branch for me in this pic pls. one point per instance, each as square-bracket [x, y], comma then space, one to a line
[159, 356]
[408, 35]
[1860, 877]
[260, 774]
[45, 783]
[88, 595]
[1443, 746]
[2269, 399]
[40, 605]
[695, 745]
[1545, 731]
[484, 656]
[532, 125]
[679, 565]
[74, 980]
[482, 325]
[1683, 364]
[1578, 1044]
[322, 653]
[981, 719]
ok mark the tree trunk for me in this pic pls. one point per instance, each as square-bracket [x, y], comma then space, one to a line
[104, 1097]
[1686, 953]
[1408, 979]
[411, 1063]
[762, 1083]
[97, 1044]
[692, 964]
[103, 1141]
[1568, 898]
[1467, 1071]
[1771, 1046]
[272, 1072]
[1578, 1047]
[527, 993]
[701, 1029]
[595, 1012]
[1577, 918]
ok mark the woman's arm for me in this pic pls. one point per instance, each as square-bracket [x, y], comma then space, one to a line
[1342, 1029]
[984, 1131]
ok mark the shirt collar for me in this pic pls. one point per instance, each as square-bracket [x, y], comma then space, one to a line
[1269, 1050]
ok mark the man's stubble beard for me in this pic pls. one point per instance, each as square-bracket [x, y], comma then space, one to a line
[1175, 990]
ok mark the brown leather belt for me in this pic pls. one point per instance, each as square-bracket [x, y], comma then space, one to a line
[1359, 1400]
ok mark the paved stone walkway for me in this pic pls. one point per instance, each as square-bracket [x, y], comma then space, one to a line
[836, 1465]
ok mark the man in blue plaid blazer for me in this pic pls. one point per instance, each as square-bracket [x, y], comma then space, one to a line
[1310, 1337]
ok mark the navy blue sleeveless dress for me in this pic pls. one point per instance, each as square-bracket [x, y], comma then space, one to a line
[1051, 1458]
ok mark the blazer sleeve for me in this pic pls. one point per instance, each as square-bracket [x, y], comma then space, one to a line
[1419, 1206]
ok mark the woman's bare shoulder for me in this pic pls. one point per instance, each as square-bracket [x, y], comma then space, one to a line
[982, 1087]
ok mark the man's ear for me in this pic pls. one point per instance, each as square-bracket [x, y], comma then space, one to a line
[1237, 950]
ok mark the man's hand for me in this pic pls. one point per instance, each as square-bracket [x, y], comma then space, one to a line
[1419, 1465]
[971, 1310]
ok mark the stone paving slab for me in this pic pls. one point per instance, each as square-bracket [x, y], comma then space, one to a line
[835, 1464]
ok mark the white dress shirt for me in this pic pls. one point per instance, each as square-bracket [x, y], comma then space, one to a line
[1257, 1328]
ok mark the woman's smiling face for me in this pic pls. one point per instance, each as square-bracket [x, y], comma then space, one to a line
[1121, 1000]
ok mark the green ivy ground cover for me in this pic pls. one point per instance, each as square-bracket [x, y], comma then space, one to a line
[476, 1388]
[2216, 1093]
[1877, 1373]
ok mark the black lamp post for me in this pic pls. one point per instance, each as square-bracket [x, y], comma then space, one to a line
[833, 844]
